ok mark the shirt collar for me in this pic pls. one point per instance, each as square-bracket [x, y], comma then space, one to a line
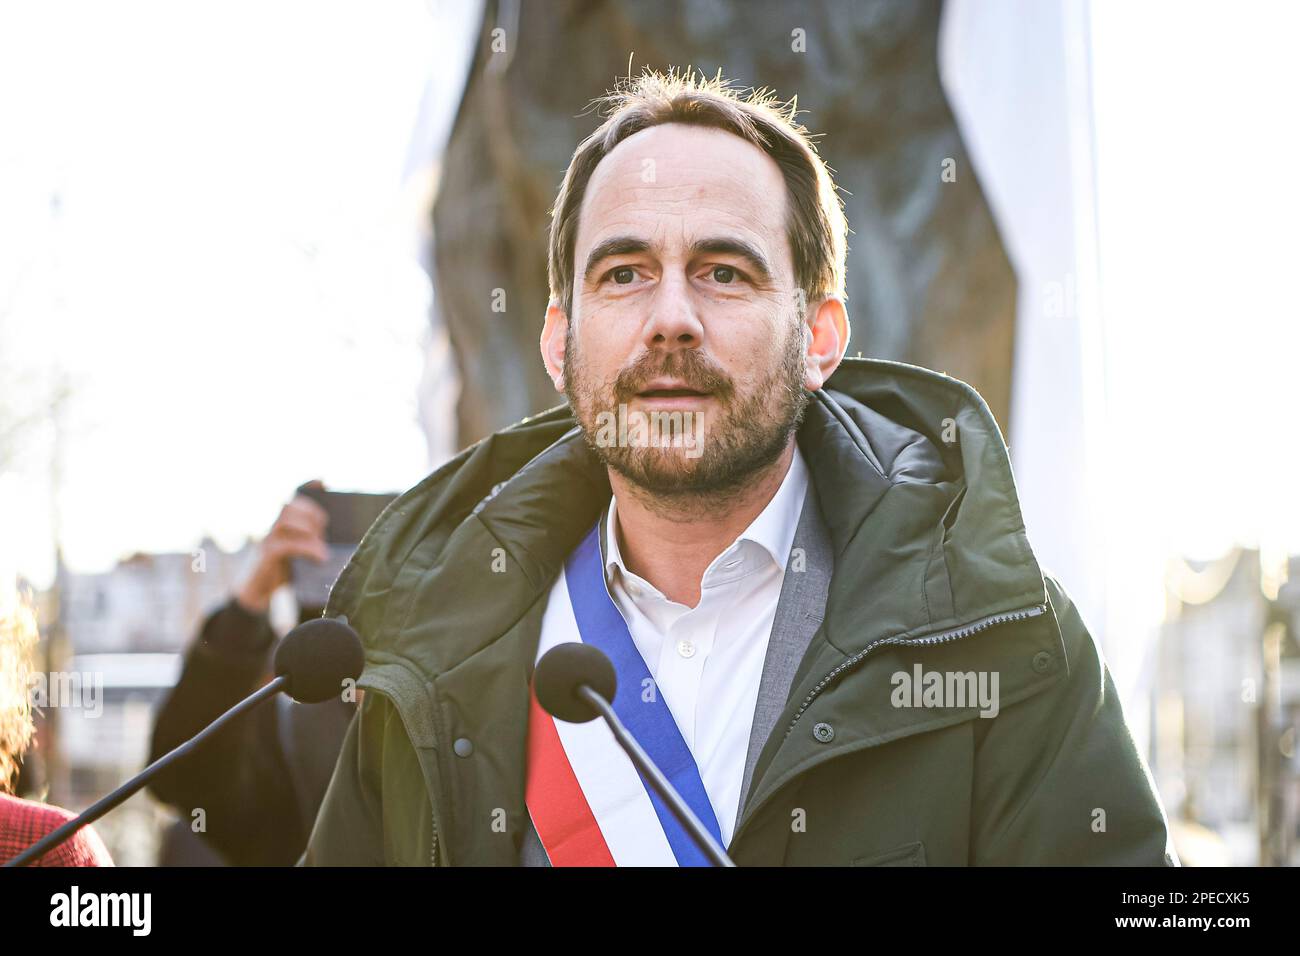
[773, 529]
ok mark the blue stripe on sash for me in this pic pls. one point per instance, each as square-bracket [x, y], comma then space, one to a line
[651, 722]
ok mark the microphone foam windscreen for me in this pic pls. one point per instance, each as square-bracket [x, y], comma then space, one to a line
[562, 670]
[317, 657]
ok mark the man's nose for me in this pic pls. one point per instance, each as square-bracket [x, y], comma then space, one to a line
[673, 322]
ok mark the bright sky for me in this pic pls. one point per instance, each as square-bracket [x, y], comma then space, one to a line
[229, 280]
[1199, 203]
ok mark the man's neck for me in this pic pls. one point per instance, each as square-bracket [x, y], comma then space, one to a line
[671, 543]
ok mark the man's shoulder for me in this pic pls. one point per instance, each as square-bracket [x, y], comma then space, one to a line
[1076, 637]
[414, 529]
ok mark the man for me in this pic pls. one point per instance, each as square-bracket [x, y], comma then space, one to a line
[810, 572]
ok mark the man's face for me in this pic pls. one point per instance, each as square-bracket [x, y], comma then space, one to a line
[684, 302]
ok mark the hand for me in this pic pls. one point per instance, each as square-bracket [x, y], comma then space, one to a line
[299, 532]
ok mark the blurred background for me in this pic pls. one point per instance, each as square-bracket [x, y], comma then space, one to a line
[247, 245]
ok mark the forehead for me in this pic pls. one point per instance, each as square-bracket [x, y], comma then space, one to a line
[675, 183]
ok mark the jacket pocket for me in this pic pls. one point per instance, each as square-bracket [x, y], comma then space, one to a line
[909, 854]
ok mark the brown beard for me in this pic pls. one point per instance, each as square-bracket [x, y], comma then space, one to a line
[746, 435]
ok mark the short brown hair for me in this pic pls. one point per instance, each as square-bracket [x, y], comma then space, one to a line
[815, 225]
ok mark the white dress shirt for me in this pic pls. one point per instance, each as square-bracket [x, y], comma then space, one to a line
[707, 661]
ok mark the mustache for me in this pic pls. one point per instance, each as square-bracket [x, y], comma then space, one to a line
[696, 371]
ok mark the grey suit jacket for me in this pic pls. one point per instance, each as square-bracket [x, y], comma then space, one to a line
[799, 613]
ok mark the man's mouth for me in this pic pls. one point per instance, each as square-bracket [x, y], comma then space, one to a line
[671, 393]
[663, 389]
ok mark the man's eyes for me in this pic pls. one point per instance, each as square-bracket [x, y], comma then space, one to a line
[723, 275]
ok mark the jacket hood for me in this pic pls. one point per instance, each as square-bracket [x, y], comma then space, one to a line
[910, 470]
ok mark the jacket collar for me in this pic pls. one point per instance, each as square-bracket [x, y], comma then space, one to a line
[772, 530]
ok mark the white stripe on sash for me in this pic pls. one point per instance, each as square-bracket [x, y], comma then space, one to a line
[609, 780]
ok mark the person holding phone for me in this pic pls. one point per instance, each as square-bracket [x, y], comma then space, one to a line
[252, 792]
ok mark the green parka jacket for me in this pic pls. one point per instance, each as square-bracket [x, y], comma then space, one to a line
[931, 567]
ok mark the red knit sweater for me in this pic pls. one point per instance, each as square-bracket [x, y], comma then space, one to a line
[23, 822]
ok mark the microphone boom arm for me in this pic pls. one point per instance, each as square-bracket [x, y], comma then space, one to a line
[684, 814]
[128, 789]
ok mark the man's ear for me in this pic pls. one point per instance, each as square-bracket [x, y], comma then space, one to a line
[554, 332]
[829, 339]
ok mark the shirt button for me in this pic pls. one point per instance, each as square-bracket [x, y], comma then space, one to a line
[824, 733]
[633, 590]
[463, 747]
[686, 649]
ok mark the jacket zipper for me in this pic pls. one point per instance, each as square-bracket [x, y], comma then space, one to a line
[433, 803]
[942, 637]
[433, 848]
[438, 753]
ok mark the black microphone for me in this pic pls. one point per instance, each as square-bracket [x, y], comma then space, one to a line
[576, 683]
[311, 664]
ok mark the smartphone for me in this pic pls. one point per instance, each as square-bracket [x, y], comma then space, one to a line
[350, 515]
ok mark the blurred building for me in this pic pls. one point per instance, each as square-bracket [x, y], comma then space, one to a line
[1226, 710]
[112, 645]
[147, 603]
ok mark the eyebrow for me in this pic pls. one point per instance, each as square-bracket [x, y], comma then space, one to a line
[630, 245]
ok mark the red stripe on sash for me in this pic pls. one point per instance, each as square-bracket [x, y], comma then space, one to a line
[556, 803]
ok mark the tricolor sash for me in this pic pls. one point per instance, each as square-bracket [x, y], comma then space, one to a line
[589, 804]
